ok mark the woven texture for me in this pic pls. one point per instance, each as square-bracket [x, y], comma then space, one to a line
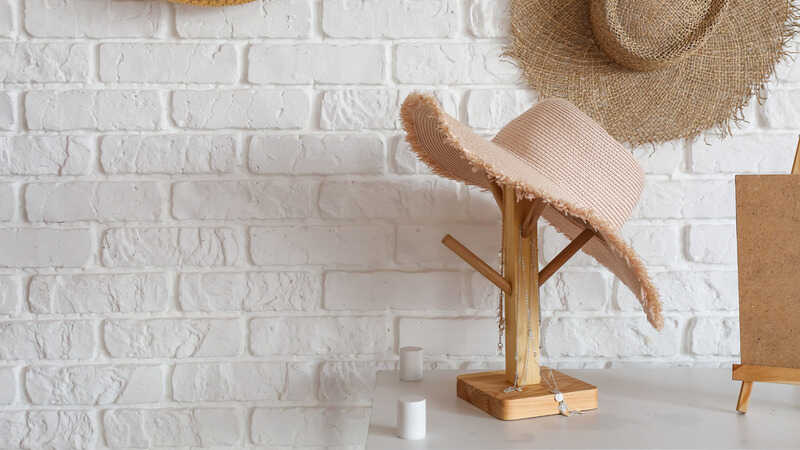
[651, 71]
[554, 152]
[212, 2]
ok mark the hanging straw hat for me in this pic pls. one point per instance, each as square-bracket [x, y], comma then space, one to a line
[652, 70]
[552, 152]
[212, 2]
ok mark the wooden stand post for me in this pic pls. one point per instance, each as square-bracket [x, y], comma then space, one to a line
[522, 304]
[532, 387]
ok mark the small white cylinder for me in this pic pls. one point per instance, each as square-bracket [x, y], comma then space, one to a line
[410, 363]
[411, 417]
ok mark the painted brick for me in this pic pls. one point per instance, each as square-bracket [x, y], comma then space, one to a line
[93, 385]
[251, 291]
[485, 296]
[261, 18]
[44, 247]
[384, 18]
[172, 338]
[320, 336]
[494, 108]
[317, 154]
[68, 339]
[188, 63]
[98, 293]
[148, 428]
[688, 291]
[10, 298]
[424, 200]
[421, 245]
[788, 71]
[201, 247]
[7, 24]
[242, 381]
[56, 62]
[8, 387]
[582, 291]
[8, 114]
[100, 201]
[316, 63]
[453, 337]
[712, 244]
[690, 199]
[95, 19]
[276, 199]
[453, 64]
[375, 291]
[249, 109]
[93, 110]
[552, 242]
[309, 426]
[403, 159]
[366, 245]
[608, 337]
[349, 381]
[780, 110]
[715, 336]
[481, 206]
[655, 244]
[553, 296]
[489, 18]
[8, 201]
[745, 153]
[171, 154]
[664, 159]
[357, 109]
[44, 155]
[48, 429]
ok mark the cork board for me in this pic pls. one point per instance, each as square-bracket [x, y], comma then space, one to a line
[768, 235]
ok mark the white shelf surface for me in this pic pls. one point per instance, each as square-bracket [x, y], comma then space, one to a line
[649, 408]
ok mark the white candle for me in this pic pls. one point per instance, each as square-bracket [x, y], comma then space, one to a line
[410, 363]
[411, 417]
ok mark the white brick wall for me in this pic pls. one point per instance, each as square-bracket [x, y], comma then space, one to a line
[212, 232]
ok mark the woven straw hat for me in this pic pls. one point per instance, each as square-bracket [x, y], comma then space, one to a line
[553, 152]
[212, 2]
[652, 70]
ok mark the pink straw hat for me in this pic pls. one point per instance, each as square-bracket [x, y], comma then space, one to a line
[553, 152]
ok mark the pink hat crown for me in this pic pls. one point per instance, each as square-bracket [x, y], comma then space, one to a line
[578, 155]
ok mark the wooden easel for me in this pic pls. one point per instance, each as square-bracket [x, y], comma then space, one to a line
[748, 373]
[520, 283]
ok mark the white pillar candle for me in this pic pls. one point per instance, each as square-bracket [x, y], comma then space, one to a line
[411, 417]
[410, 363]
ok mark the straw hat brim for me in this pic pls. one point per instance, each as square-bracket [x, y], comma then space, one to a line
[553, 43]
[454, 151]
[212, 2]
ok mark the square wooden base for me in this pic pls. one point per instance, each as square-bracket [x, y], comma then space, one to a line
[485, 390]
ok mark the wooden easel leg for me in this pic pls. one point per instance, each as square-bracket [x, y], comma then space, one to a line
[744, 396]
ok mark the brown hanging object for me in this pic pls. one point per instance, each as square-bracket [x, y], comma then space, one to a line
[212, 2]
[652, 70]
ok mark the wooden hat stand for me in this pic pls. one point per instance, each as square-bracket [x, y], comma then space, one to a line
[524, 389]
[752, 371]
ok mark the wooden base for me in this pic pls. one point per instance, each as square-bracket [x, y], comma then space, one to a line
[486, 391]
[748, 373]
